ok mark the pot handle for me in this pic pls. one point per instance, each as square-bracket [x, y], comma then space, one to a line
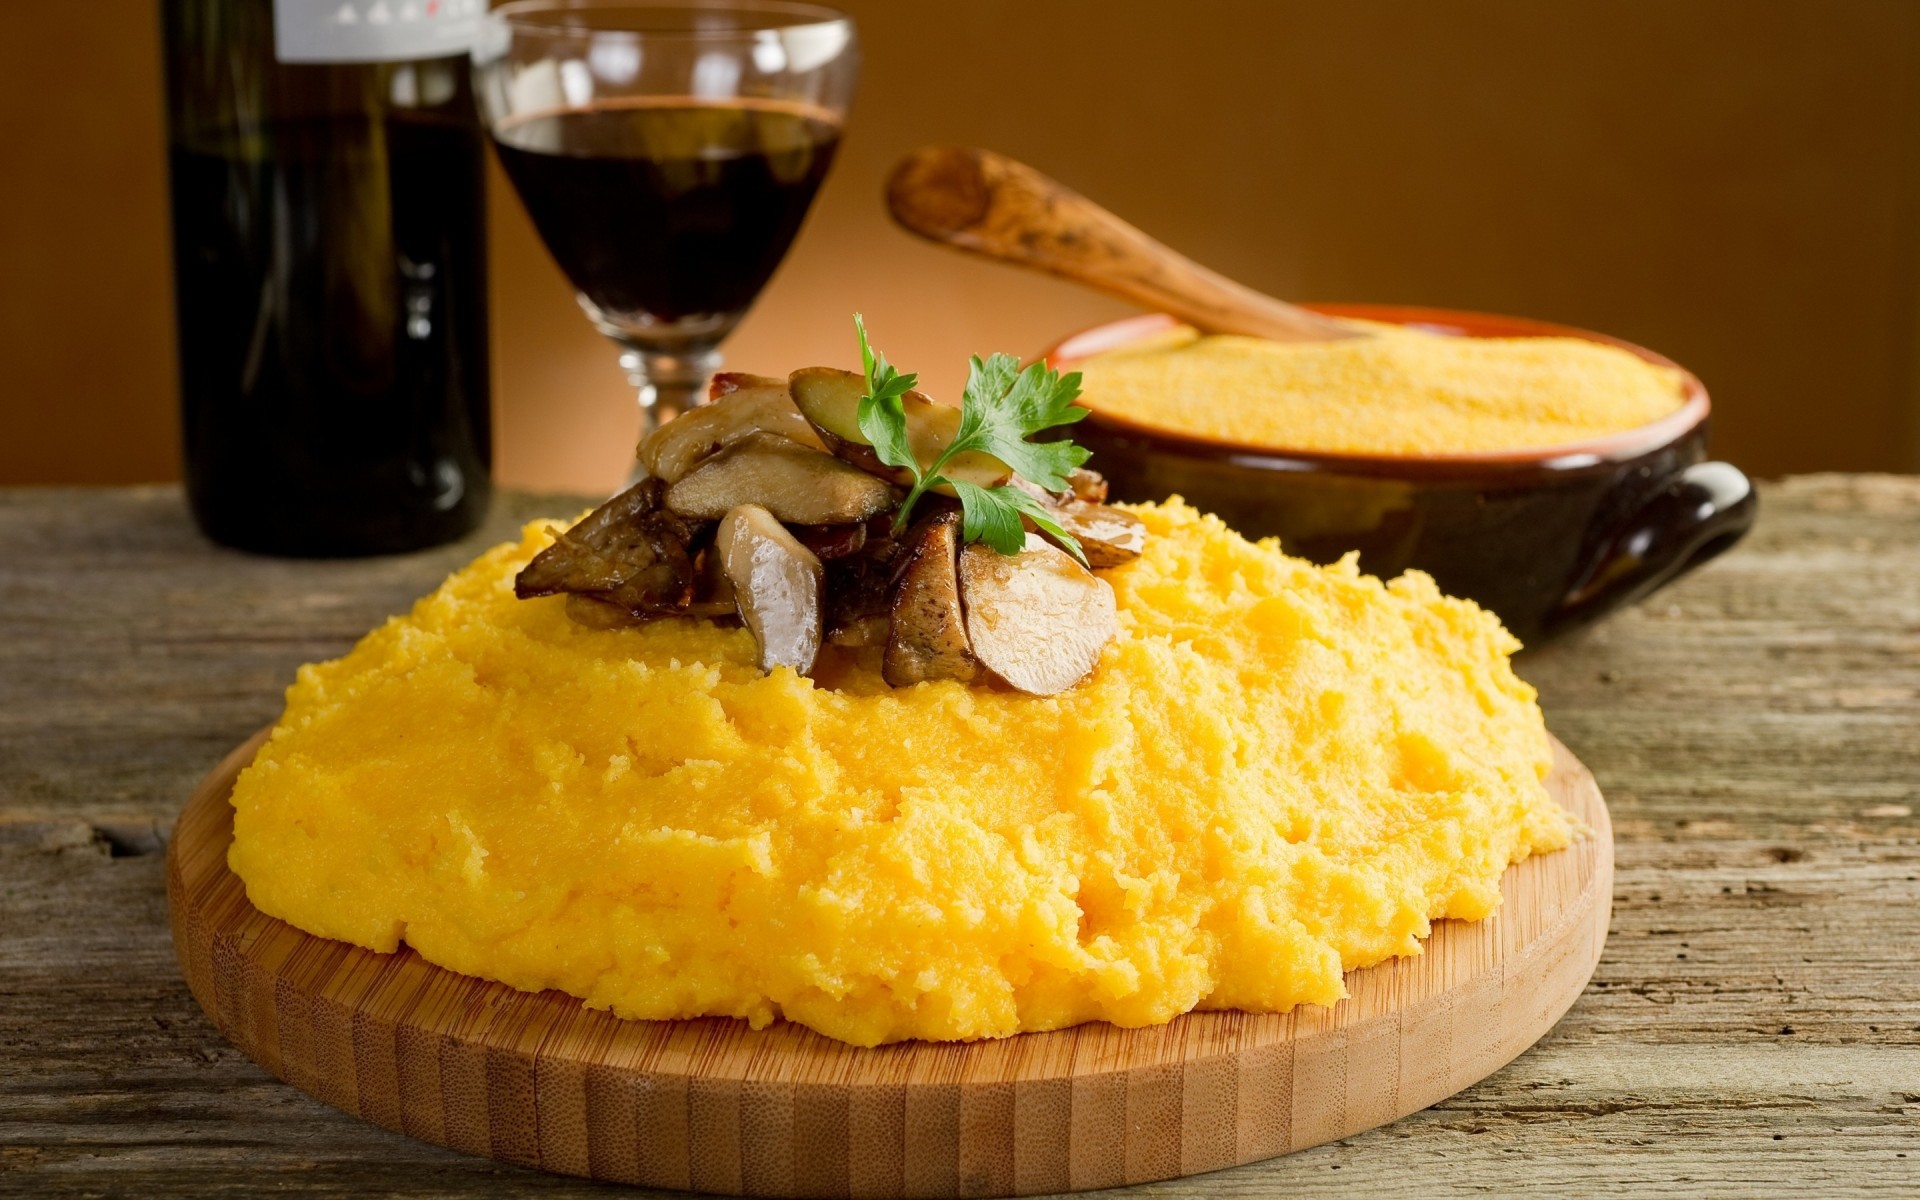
[1703, 509]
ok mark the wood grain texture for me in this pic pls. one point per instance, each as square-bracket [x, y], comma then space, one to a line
[990, 205]
[712, 1105]
[1753, 1027]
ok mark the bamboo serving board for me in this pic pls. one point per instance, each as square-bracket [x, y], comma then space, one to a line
[540, 1080]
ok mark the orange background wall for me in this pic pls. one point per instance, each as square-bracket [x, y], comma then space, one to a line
[1733, 182]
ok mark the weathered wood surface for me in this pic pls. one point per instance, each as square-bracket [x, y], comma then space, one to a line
[1754, 1025]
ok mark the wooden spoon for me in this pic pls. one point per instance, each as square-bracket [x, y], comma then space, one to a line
[982, 202]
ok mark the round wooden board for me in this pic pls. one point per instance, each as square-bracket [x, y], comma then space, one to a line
[541, 1080]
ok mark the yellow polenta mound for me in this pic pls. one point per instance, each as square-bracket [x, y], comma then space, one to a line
[1278, 771]
[1400, 392]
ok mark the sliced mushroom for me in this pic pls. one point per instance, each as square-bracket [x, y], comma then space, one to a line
[856, 604]
[1088, 485]
[713, 594]
[1108, 536]
[802, 486]
[725, 383]
[680, 445]
[861, 633]
[928, 634]
[832, 541]
[629, 552]
[1037, 619]
[830, 401]
[776, 583]
[600, 614]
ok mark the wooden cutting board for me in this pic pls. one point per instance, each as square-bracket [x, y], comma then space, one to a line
[710, 1105]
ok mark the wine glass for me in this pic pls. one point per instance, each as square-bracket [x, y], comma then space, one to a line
[667, 153]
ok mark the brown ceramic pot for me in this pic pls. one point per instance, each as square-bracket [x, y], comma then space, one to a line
[1549, 539]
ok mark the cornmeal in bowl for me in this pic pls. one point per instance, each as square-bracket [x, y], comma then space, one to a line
[1276, 772]
[1400, 392]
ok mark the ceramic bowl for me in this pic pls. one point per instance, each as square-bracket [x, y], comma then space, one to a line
[1550, 539]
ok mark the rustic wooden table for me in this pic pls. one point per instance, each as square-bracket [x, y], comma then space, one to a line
[1754, 1025]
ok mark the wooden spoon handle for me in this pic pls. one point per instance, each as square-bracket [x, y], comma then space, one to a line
[982, 202]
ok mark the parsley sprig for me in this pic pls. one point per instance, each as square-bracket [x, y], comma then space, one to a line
[1001, 407]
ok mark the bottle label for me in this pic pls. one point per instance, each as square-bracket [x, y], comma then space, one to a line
[352, 31]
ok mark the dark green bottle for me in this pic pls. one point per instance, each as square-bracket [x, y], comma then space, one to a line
[329, 230]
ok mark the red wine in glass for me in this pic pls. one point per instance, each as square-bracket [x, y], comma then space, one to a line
[668, 208]
[667, 151]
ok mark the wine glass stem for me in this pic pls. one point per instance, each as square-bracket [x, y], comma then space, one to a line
[668, 383]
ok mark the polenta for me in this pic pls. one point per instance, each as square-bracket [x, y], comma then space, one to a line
[1401, 392]
[1278, 772]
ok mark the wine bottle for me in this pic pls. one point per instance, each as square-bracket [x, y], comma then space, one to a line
[329, 237]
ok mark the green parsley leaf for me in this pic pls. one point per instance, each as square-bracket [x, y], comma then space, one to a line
[1001, 407]
[1043, 520]
[1009, 405]
[882, 415]
[986, 517]
[988, 381]
[992, 515]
